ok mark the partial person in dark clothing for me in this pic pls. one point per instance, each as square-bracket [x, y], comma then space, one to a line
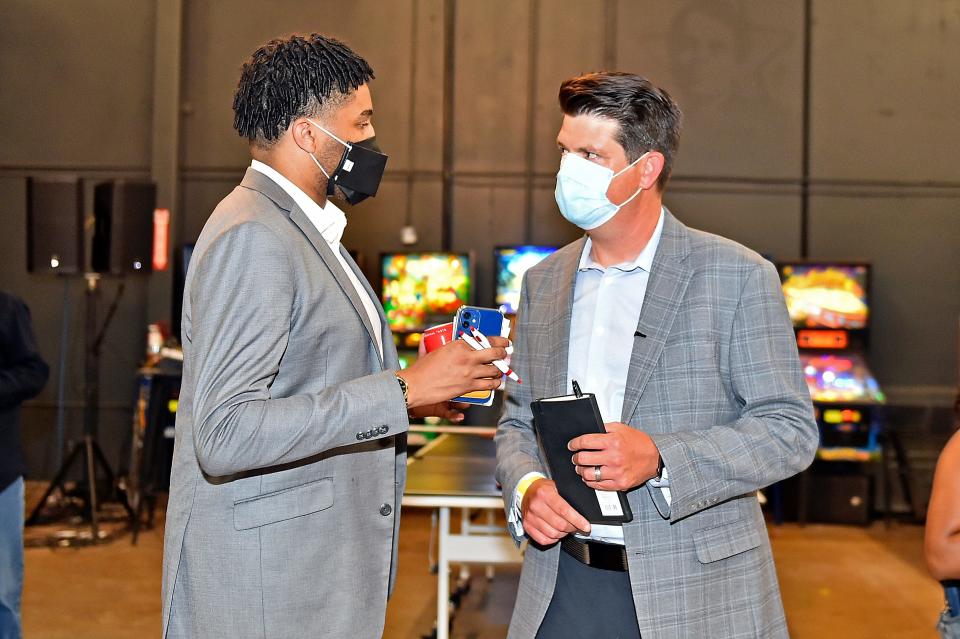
[23, 374]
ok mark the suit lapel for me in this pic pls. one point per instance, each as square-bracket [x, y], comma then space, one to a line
[387, 358]
[669, 277]
[300, 218]
[259, 182]
[563, 288]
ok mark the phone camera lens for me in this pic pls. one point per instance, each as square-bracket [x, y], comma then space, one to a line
[466, 324]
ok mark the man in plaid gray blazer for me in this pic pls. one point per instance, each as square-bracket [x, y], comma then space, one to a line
[685, 339]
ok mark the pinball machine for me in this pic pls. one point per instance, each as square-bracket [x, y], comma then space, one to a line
[830, 306]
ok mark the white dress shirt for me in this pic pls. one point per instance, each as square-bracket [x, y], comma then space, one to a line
[606, 307]
[330, 222]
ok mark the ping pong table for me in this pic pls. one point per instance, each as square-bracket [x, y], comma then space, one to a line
[457, 471]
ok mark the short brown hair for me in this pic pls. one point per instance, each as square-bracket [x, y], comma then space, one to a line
[648, 118]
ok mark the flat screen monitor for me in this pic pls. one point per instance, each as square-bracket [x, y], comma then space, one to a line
[825, 295]
[421, 289]
[511, 263]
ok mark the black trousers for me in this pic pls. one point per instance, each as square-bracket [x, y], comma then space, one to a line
[589, 603]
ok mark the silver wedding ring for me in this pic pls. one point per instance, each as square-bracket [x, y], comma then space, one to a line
[596, 473]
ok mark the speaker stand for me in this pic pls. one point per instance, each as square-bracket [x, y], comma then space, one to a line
[87, 448]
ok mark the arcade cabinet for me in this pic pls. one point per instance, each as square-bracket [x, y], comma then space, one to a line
[829, 304]
[511, 263]
[420, 290]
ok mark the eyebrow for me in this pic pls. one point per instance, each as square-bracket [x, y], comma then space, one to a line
[366, 114]
[582, 149]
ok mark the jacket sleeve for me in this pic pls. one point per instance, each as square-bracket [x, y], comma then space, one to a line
[242, 308]
[517, 448]
[24, 373]
[775, 436]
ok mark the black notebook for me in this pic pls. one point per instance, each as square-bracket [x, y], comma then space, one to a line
[557, 420]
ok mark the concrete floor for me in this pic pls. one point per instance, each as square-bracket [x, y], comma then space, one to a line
[837, 581]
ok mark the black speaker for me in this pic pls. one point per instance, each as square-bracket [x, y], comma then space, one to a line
[123, 227]
[55, 226]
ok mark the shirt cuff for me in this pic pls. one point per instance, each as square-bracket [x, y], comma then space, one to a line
[515, 514]
[663, 484]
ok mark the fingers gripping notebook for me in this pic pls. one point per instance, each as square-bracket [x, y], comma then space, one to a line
[557, 420]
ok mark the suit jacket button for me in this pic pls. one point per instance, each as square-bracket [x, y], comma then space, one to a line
[384, 430]
[359, 436]
[385, 510]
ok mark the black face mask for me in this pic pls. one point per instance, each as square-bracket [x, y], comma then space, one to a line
[360, 170]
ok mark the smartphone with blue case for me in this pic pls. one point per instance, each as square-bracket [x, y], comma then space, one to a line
[489, 321]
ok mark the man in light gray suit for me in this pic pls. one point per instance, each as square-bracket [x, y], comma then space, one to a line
[685, 340]
[289, 461]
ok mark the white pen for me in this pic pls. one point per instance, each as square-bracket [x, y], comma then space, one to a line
[481, 342]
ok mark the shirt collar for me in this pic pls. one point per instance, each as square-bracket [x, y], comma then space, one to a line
[643, 261]
[329, 220]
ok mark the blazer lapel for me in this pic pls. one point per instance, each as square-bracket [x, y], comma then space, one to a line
[260, 182]
[564, 284]
[388, 357]
[300, 218]
[668, 282]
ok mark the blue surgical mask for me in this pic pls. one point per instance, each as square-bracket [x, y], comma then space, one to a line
[582, 191]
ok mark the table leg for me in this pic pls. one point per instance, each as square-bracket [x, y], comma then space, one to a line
[491, 520]
[443, 576]
[464, 579]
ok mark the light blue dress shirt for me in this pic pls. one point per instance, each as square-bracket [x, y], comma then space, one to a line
[606, 308]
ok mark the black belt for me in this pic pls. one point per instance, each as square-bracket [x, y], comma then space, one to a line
[595, 553]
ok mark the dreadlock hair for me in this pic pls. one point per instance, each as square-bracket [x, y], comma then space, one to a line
[647, 117]
[293, 78]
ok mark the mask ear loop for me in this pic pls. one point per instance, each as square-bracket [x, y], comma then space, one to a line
[314, 158]
[346, 144]
[639, 188]
[317, 162]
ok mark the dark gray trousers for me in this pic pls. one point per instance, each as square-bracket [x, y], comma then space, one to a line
[589, 603]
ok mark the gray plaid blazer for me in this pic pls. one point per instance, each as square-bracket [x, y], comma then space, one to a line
[289, 459]
[717, 383]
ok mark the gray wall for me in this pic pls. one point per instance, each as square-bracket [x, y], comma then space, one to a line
[883, 172]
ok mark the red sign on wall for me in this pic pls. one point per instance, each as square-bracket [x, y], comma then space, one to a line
[161, 238]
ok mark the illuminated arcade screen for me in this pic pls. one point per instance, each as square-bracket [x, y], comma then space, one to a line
[826, 295]
[512, 262]
[419, 288]
[840, 379]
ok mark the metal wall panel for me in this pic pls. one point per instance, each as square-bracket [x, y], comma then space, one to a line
[77, 83]
[735, 68]
[570, 41]
[767, 222]
[491, 81]
[221, 35]
[913, 242]
[886, 90]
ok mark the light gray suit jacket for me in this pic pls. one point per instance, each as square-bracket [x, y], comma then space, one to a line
[289, 460]
[716, 382]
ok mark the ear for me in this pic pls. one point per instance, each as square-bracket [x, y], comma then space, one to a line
[304, 135]
[650, 169]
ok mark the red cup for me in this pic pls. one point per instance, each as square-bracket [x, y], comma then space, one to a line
[436, 336]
